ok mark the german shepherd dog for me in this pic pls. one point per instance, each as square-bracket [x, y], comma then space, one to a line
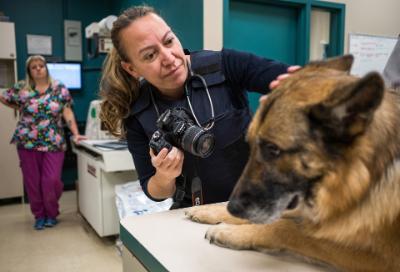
[323, 177]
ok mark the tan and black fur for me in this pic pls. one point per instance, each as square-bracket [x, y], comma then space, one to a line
[323, 177]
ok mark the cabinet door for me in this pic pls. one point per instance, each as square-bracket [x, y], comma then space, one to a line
[7, 34]
[11, 177]
[89, 191]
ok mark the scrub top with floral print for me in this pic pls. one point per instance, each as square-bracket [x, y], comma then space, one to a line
[40, 126]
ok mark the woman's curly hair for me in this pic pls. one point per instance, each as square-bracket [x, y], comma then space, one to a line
[118, 89]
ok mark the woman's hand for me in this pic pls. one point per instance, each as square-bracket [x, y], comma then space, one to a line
[4, 101]
[275, 83]
[168, 164]
[278, 80]
[168, 167]
[77, 138]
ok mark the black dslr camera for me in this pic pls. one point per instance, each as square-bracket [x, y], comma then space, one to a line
[176, 128]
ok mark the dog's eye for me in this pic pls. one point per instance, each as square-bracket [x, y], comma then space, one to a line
[269, 150]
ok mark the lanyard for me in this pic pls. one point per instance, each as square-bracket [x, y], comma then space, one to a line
[191, 77]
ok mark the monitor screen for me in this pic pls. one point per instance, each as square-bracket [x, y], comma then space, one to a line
[68, 73]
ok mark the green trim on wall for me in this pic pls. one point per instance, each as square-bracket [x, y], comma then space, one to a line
[338, 15]
[184, 17]
[225, 20]
[304, 8]
[141, 253]
[328, 5]
[304, 34]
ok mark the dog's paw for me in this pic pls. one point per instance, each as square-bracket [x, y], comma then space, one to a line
[228, 236]
[207, 214]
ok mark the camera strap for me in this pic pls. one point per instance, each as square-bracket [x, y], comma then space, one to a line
[179, 195]
[196, 187]
[197, 193]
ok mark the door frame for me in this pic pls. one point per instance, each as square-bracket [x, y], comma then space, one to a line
[303, 8]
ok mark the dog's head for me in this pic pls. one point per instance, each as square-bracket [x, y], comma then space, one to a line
[299, 135]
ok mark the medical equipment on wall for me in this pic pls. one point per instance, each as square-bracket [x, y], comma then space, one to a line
[98, 36]
[95, 129]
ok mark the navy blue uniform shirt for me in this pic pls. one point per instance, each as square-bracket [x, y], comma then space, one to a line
[229, 75]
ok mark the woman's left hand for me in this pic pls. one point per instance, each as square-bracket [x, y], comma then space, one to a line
[278, 80]
[290, 70]
[77, 138]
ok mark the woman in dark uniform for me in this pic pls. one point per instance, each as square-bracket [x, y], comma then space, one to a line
[147, 73]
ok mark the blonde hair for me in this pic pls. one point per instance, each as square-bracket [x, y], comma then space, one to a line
[118, 89]
[29, 81]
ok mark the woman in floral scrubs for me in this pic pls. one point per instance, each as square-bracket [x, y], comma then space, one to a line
[42, 104]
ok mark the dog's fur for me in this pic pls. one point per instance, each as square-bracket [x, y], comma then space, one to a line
[323, 177]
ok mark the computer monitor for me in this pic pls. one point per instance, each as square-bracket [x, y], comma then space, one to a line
[68, 73]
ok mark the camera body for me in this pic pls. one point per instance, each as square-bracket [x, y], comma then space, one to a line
[176, 128]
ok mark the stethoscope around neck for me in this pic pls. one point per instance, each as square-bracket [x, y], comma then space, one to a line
[192, 77]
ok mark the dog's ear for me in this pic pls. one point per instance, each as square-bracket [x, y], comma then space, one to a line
[342, 63]
[349, 109]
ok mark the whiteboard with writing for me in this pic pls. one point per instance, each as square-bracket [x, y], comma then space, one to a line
[371, 53]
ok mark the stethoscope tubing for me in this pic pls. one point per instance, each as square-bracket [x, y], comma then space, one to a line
[192, 76]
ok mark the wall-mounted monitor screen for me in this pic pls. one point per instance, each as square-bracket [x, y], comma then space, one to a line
[68, 73]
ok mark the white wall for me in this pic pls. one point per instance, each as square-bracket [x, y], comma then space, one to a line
[373, 17]
[212, 24]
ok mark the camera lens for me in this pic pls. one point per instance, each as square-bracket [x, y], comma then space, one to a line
[198, 141]
[205, 145]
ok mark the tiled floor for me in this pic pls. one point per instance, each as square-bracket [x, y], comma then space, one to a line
[71, 246]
